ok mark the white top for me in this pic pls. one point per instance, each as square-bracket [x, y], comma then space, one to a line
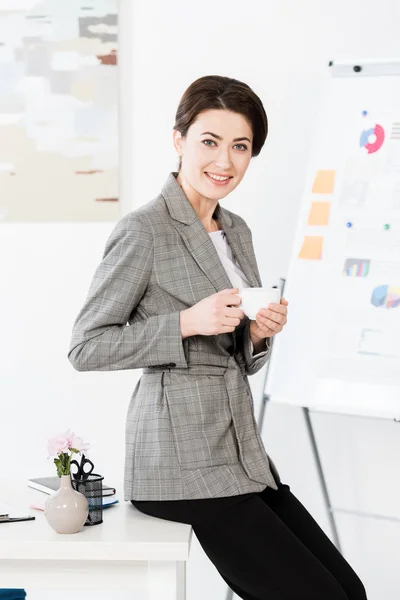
[234, 272]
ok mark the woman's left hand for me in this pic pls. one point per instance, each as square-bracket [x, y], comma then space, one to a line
[269, 321]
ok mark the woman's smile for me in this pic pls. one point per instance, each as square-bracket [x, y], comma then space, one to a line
[218, 179]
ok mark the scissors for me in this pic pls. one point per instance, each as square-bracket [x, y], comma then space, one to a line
[83, 471]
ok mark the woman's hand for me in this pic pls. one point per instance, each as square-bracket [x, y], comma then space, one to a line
[218, 313]
[269, 321]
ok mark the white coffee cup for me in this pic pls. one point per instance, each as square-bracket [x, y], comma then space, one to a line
[252, 299]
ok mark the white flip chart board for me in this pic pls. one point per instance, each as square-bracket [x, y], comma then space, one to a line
[340, 350]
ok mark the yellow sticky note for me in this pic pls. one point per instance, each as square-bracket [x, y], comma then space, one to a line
[312, 247]
[319, 213]
[324, 182]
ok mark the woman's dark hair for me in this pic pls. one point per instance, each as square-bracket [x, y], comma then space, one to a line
[216, 92]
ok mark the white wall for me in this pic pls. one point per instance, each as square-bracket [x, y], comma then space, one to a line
[281, 48]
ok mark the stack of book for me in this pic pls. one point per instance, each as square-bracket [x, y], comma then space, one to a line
[48, 485]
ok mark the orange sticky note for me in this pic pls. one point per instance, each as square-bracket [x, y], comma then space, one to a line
[323, 182]
[319, 213]
[312, 247]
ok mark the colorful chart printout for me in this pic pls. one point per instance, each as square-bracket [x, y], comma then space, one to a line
[356, 267]
[386, 296]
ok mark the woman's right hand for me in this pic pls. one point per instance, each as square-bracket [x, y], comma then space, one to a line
[218, 313]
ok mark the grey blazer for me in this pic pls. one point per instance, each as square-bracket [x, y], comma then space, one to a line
[190, 428]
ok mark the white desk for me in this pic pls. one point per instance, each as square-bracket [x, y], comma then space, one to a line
[128, 551]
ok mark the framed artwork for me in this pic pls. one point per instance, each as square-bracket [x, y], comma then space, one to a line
[58, 110]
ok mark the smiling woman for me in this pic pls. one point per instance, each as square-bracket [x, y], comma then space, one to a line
[194, 453]
[214, 157]
[219, 126]
[214, 92]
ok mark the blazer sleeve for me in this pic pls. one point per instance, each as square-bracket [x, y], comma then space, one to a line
[102, 339]
[253, 363]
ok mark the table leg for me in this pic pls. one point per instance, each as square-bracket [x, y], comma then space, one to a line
[166, 580]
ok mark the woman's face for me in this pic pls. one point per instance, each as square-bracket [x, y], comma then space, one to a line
[219, 143]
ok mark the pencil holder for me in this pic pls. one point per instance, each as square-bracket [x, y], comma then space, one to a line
[92, 488]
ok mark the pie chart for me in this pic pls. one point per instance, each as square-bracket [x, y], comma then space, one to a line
[372, 139]
[386, 296]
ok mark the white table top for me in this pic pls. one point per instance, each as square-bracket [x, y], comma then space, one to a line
[125, 534]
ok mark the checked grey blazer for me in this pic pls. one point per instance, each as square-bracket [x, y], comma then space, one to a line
[190, 428]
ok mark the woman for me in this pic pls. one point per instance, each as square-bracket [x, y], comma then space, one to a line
[164, 299]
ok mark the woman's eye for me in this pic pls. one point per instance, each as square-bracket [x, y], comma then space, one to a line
[242, 148]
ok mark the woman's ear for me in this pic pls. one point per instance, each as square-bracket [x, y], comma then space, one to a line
[178, 141]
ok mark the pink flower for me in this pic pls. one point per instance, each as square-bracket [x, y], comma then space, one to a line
[63, 442]
[57, 444]
[79, 444]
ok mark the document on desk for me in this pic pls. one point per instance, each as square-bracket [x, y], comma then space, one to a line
[8, 514]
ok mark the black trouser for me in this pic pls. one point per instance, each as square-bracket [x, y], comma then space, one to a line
[265, 545]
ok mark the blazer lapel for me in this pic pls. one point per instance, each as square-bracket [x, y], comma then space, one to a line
[197, 239]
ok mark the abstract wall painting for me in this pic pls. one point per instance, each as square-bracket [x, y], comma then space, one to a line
[58, 111]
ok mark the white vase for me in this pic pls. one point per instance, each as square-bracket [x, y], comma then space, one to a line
[66, 510]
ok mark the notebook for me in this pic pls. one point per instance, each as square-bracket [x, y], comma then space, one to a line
[48, 485]
[8, 514]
